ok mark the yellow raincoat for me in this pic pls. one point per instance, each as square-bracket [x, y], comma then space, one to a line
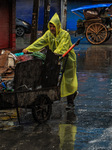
[59, 44]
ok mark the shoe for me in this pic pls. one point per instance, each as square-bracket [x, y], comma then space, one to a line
[70, 106]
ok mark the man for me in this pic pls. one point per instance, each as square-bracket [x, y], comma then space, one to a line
[59, 41]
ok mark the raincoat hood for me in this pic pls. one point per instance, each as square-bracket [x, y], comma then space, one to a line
[56, 21]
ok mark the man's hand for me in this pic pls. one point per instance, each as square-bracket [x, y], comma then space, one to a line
[25, 51]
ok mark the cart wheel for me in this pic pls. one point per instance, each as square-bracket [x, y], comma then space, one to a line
[42, 108]
[96, 33]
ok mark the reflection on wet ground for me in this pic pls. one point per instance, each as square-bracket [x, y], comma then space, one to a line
[94, 103]
[87, 127]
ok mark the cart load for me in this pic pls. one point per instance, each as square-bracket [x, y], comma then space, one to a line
[8, 62]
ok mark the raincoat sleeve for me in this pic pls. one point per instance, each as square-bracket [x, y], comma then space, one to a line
[64, 44]
[39, 43]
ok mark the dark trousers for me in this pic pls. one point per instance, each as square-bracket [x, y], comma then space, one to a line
[70, 98]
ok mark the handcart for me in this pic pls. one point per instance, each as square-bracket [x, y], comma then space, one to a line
[96, 28]
[36, 85]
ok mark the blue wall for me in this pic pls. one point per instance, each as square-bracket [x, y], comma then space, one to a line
[24, 10]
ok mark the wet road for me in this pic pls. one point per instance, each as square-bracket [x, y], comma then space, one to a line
[87, 127]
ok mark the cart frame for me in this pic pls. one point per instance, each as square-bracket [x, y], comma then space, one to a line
[37, 88]
[32, 87]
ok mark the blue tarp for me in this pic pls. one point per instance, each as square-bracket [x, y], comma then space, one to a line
[91, 6]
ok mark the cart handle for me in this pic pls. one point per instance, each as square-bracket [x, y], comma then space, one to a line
[76, 43]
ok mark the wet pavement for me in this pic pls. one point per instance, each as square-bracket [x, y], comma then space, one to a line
[87, 127]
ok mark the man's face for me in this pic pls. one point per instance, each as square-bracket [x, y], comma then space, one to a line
[52, 29]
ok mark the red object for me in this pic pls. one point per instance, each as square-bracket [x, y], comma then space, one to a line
[24, 57]
[7, 25]
[4, 25]
[77, 43]
[68, 50]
